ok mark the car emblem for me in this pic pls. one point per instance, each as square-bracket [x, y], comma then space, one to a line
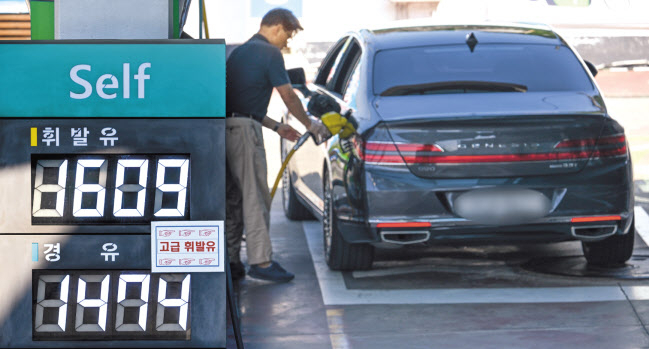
[471, 41]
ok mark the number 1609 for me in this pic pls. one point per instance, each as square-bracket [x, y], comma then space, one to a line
[123, 185]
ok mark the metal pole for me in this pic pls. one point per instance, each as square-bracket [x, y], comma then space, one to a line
[200, 19]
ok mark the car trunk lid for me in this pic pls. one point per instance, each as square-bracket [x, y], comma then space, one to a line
[499, 137]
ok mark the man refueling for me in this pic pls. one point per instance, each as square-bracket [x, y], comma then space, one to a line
[253, 70]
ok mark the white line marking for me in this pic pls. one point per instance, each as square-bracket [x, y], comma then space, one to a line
[637, 293]
[334, 291]
[642, 223]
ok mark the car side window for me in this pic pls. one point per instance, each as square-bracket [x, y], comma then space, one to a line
[329, 65]
[343, 72]
[352, 86]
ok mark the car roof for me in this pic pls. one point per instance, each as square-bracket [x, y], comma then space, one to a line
[449, 34]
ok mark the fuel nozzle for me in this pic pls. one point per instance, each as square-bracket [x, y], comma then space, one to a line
[302, 139]
[338, 124]
[335, 123]
[319, 130]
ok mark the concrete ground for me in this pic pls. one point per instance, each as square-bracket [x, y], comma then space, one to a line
[443, 297]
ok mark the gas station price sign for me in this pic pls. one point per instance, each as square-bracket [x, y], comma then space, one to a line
[99, 142]
[101, 305]
[77, 189]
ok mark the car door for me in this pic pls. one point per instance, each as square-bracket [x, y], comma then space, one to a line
[334, 85]
[345, 180]
[306, 165]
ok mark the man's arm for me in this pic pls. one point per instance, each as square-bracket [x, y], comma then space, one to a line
[269, 123]
[284, 131]
[293, 103]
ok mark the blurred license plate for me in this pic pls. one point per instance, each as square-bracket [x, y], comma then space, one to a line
[502, 206]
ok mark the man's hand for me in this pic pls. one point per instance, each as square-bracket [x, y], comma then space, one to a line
[294, 105]
[319, 130]
[287, 132]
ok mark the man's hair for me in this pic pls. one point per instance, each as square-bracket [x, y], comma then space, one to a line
[281, 16]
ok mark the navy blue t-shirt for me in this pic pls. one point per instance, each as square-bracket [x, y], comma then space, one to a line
[252, 70]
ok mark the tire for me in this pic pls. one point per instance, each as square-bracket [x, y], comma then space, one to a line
[613, 251]
[339, 254]
[293, 208]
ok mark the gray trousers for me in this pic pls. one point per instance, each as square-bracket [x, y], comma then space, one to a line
[247, 195]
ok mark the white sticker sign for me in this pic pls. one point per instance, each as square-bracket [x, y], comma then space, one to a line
[187, 246]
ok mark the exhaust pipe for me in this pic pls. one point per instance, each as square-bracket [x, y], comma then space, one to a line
[593, 232]
[405, 237]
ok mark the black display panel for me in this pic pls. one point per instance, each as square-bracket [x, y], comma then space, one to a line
[110, 305]
[81, 245]
[110, 189]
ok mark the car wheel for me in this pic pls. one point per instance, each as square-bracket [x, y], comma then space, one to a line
[613, 251]
[293, 208]
[339, 254]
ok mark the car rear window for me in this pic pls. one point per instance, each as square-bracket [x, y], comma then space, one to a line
[537, 67]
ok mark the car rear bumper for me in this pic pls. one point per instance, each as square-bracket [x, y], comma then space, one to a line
[547, 229]
[552, 229]
[395, 196]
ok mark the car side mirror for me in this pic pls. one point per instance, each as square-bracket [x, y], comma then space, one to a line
[298, 80]
[592, 68]
[297, 76]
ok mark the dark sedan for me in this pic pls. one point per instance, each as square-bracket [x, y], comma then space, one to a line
[464, 134]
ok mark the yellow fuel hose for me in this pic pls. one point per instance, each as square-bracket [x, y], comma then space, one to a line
[281, 171]
[207, 28]
[336, 124]
[288, 157]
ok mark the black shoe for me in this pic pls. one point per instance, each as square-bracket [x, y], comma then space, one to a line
[274, 272]
[238, 270]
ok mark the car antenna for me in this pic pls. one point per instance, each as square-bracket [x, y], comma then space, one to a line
[471, 41]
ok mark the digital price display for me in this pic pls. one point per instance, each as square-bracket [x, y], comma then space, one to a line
[77, 189]
[101, 305]
[98, 144]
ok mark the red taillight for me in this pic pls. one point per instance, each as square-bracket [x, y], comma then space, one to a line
[463, 159]
[404, 225]
[610, 146]
[419, 148]
[391, 153]
[584, 143]
[595, 219]
[604, 147]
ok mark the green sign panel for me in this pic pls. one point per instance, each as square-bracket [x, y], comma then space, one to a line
[166, 78]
